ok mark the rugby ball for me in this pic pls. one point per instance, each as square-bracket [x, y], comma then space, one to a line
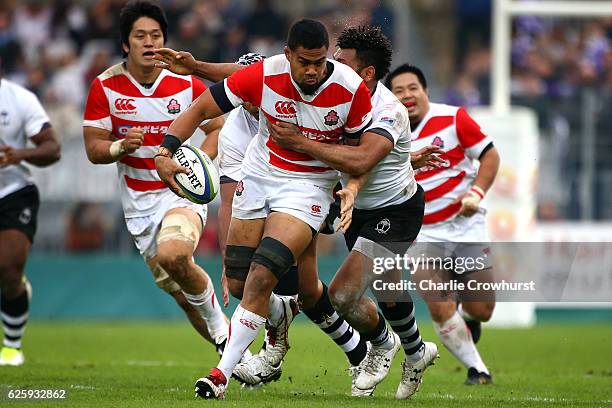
[201, 184]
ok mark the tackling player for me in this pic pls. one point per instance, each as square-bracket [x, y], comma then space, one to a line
[284, 196]
[452, 212]
[23, 120]
[128, 110]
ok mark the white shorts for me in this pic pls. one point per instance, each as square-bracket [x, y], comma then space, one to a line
[234, 138]
[456, 238]
[144, 229]
[257, 196]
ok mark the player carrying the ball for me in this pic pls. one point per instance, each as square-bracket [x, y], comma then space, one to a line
[128, 111]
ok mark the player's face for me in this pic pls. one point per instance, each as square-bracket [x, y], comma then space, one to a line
[411, 93]
[347, 56]
[308, 67]
[146, 35]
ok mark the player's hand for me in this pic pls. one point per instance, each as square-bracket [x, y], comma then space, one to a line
[166, 169]
[134, 138]
[224, 288]
[470, 203]
[10, 156]
[347, 203]
[427, 156]
[179, 62]
[286, 135]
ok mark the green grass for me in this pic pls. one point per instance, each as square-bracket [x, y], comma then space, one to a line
[155, 364]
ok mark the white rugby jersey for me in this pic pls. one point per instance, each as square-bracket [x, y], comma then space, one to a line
[339, 107]
[461, 139]
[117, 102]
[21, 117]
[238, 131]
[391, 181]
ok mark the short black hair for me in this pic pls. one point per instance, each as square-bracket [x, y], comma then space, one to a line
[406, 69]
[371, 45]
[310, 34]
[135, 9]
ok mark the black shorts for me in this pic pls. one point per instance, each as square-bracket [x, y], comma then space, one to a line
[394, 227]
[19, 210]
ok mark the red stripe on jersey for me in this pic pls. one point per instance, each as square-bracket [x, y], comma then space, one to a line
[143, 185]
[454, 156]
[468, 131]
[96, 106]
[198, 87]
[282, 85]
[360, 107]
[170, 86]
[139, 162]
[435, 125]
[444, 188]
[247, 83]
[285, 165]
[442, 215]
[332, 95]
[122, 84]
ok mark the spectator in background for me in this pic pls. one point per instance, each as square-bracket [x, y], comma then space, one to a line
[10, 48]
[265, 29]
[85, 230]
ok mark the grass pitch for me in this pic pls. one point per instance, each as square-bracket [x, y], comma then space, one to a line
[156, 364]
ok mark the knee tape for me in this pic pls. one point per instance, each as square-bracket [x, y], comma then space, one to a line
[274, 255]
[162, 279]
[178, 227]
[238, 261]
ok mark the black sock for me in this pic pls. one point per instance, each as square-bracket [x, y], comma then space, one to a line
[380, 334]
[338, 329]
[402, 321]
[14, 318]
[289, 284]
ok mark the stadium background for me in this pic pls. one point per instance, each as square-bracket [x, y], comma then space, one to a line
[84, 265]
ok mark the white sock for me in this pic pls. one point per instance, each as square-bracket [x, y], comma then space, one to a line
[207, 305]
[276, 310]
[458, 340]
[244, 327]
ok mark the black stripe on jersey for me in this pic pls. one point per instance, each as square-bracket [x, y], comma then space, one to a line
[218, 93]
[383, 133]
[486, 149]
[357, 134]
[226, 179]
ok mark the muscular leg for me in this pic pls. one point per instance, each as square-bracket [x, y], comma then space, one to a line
[14, 249]
[317, 306]
[478, 305]
[176, 241]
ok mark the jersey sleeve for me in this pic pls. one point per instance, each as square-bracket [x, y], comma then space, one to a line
[245, 85]
[35, 115]
[391, 122]
[360, 113]
[470, 135]
[97, 111]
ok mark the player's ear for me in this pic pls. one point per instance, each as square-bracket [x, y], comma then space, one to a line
[369, 73]
[287, 51]
[125, 48]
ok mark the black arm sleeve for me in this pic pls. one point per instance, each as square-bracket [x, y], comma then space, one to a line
[218, 93]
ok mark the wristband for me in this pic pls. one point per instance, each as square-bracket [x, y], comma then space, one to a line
[171, 142]
[478, 191]
[116, 149]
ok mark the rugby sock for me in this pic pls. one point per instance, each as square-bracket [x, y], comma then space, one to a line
[380, 336]
[244, 327]
[207, 305]
[276, 310]
[402, 321]
[14, 318]
[348, 339]
[458, 340]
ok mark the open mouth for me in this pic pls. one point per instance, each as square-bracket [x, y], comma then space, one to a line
[150, 54]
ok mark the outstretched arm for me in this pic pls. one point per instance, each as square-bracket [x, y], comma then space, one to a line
[183, 63]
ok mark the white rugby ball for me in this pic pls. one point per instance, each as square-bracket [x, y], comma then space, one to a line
[201, 184]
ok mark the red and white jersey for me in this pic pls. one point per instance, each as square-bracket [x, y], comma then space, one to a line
[461, 139]
[117, 102]
[340, 107]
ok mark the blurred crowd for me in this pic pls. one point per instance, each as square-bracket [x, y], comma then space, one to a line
[57, 47]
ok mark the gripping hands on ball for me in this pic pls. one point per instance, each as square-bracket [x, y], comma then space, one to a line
[167, 168]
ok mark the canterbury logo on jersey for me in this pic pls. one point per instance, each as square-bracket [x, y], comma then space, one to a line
[285, 107]
[125, 104]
